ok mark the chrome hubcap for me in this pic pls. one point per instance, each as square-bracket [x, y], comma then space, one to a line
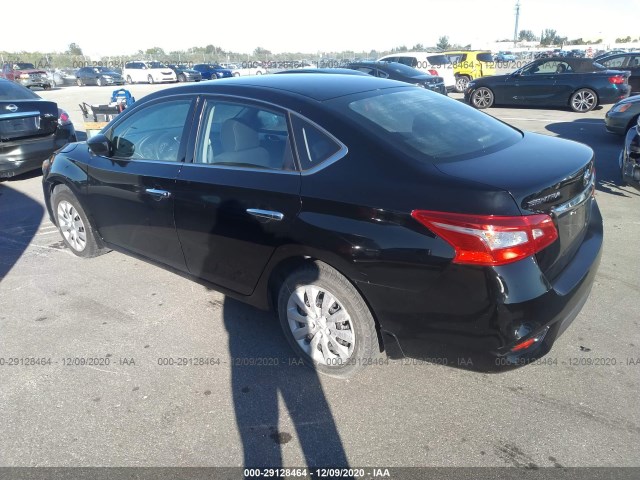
[482, 98]
[461, 83]
[583, 101]
[71, 226]
[321, 325]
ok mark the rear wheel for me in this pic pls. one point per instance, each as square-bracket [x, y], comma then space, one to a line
[150, 79]
[73, 224]
[129, 81]
[78, 82]
[461, 83]
[584, 100]
[182, 78]
[326, 321]
[99, 81]
[482, 98]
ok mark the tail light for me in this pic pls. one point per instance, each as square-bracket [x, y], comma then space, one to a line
[433, 72]
[488, 239]
[617, 80]
[63, 117]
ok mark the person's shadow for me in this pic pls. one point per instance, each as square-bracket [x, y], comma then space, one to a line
[265, 370]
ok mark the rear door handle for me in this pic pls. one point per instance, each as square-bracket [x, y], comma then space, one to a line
[158, 194]
[265, 214]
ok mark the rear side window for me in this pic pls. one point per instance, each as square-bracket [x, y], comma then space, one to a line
[408, 61]
[428, 126]
[315, 146]
[615, 62]
[438, 60]
[484, 57]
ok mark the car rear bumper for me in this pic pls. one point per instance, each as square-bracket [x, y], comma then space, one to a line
[613, 94]
[474, 316]
[25, 155]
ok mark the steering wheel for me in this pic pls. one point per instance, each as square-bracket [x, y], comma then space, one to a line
[159, 146]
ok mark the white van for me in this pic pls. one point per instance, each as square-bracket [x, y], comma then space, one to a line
[432, 63]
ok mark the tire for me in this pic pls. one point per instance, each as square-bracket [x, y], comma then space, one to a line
[482, 98]
[46, 86]
[150, 80]
[99, 81]
[79, 82]
[182, 78]
[623, 182]
[129, 81]
[258, 72]
[236, 74]
[461, 83]
[73, 224]
[583, 100]
[319, 349]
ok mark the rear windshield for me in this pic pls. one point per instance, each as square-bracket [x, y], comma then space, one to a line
[485, 57]
[438, 60]
[13, 91]
[428, 126]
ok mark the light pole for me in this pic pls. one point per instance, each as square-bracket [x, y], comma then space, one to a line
[515, 32]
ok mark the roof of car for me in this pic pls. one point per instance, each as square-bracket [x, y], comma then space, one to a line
[577, 64]
[311, 85]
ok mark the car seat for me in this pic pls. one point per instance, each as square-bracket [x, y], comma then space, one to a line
[241, 144]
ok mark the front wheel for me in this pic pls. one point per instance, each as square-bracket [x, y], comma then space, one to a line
[78, 82]
[99, 81]
[129, 80]
[73, 224]
[461, 83]
[182, 78]
[584, 100]
[482, 98]
[150, 79]
[326, 321]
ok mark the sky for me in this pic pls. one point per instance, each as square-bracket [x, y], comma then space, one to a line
[112, 28]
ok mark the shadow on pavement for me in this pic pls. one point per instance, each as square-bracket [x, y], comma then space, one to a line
[20, 218]
[266, 372]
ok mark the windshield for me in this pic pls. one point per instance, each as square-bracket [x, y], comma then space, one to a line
[156, 65]
[13, 91]
[428, 126]
[484, 57]
[402, 69]
[103, 70]
[23, 66]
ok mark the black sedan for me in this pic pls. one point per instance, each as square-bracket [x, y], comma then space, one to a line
[629, 62]
[186, 74]
[402, 73]
[364, 225]
[31, 129]
[578, 83]
[98, 76]
[630, 157]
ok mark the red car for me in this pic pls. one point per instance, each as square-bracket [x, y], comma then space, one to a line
[26, 74]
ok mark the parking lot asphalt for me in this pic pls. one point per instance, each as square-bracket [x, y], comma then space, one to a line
[244, 400]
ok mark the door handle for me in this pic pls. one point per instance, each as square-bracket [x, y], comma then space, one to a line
[265, 214]
[158, 194]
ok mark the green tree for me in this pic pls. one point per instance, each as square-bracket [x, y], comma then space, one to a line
[417, 47]
[527, 36]
[443, 43]
[155, 51]
[74, 49]
[401, 48]
[259, 52]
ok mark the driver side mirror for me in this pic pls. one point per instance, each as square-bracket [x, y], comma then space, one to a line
[100, 145]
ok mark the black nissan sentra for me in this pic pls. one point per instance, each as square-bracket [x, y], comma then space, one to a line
[369, 214]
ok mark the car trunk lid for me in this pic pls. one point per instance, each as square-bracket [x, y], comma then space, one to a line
[559, 183]
[27, 118]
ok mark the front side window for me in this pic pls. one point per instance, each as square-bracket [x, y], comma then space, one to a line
[242, 135]
[152, 133]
